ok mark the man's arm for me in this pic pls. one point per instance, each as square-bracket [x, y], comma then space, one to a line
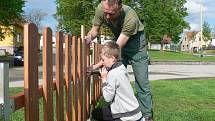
[122, 40]
[92, 33]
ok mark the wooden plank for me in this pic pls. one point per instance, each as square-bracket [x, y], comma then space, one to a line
[31, 72]
[47, 75]
[84, 111]
[19, 98]
[80, 77]
[74, 79]
[100, 82]
[95, 78]
[93, 85]
[88, 83]
[68, 78]
[59, 77]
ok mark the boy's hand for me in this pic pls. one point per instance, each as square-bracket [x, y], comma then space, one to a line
[103, 73]
[99, 64]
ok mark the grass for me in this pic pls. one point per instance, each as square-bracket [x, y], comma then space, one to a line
[19, 114]
[187, 100]
[177, 56]
[182, 100]
[5, 57]
[173, 100]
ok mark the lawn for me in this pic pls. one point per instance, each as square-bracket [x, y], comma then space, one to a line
[183, 100]
[173, 100]
[177, 56]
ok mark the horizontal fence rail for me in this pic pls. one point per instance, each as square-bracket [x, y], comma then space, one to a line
[75, 91]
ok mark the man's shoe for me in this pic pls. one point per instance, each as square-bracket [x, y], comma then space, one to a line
[148, 118]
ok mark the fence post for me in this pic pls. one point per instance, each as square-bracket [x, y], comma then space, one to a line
[4, 91]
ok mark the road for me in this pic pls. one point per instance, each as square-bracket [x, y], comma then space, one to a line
[160, 72]
[156, 72]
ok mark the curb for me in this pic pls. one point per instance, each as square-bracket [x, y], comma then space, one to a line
[180, 63]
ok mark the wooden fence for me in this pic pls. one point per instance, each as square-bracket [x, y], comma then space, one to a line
[75, 93]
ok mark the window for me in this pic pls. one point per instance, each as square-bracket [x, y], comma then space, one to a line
[18, 37]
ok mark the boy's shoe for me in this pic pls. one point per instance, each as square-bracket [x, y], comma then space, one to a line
[148, 118]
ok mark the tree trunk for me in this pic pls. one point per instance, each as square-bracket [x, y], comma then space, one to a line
[161, 47]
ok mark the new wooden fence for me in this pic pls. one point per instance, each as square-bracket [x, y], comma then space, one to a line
[71, 85]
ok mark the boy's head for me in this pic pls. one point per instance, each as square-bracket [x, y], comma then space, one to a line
[110, 53]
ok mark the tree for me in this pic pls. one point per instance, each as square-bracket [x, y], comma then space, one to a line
[206, 30]
[164, 17]
[35, 16]
[71, 14]
[161, 17]
[10, 13]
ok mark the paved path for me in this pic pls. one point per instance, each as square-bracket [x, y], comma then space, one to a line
[156, 72]
[160, 72]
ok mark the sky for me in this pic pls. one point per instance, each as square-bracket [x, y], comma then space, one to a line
[193, 8]
[47, 6]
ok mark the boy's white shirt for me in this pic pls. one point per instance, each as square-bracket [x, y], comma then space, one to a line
[119, 92]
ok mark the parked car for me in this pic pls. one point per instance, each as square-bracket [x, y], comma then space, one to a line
[18, 58]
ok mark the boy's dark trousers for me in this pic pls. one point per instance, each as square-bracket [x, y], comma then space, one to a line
[103, 114]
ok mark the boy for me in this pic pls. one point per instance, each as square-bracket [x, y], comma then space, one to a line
[116, 88]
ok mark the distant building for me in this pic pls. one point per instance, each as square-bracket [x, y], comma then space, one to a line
[213, 38]
[166, 44]
[13, 39]
[53, 42]
[192, 41]
[213, 42]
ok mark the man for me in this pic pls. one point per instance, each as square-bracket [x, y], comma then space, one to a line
[129, 33]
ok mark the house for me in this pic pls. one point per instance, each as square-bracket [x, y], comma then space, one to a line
[213, 38]
[166, 41]
[13, 39]
[53, 42]
[191, 41]
[186, 40]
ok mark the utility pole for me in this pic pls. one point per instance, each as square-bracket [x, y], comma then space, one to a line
[201, 4]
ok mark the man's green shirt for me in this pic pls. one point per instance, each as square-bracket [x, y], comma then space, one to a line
[127, 23]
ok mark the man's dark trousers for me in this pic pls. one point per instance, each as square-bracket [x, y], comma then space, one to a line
[139, 62]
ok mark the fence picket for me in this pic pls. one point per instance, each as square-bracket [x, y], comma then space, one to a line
[31, 61]
[87, 82]
[47, 75]
[80, 79]
[68, 78]
[59, 77]
[74, 79]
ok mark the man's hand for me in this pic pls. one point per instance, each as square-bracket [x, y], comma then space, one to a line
[89, 39]
[92, 34]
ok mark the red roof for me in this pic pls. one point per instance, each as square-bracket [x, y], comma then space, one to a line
[190, 35]
[166, 39]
